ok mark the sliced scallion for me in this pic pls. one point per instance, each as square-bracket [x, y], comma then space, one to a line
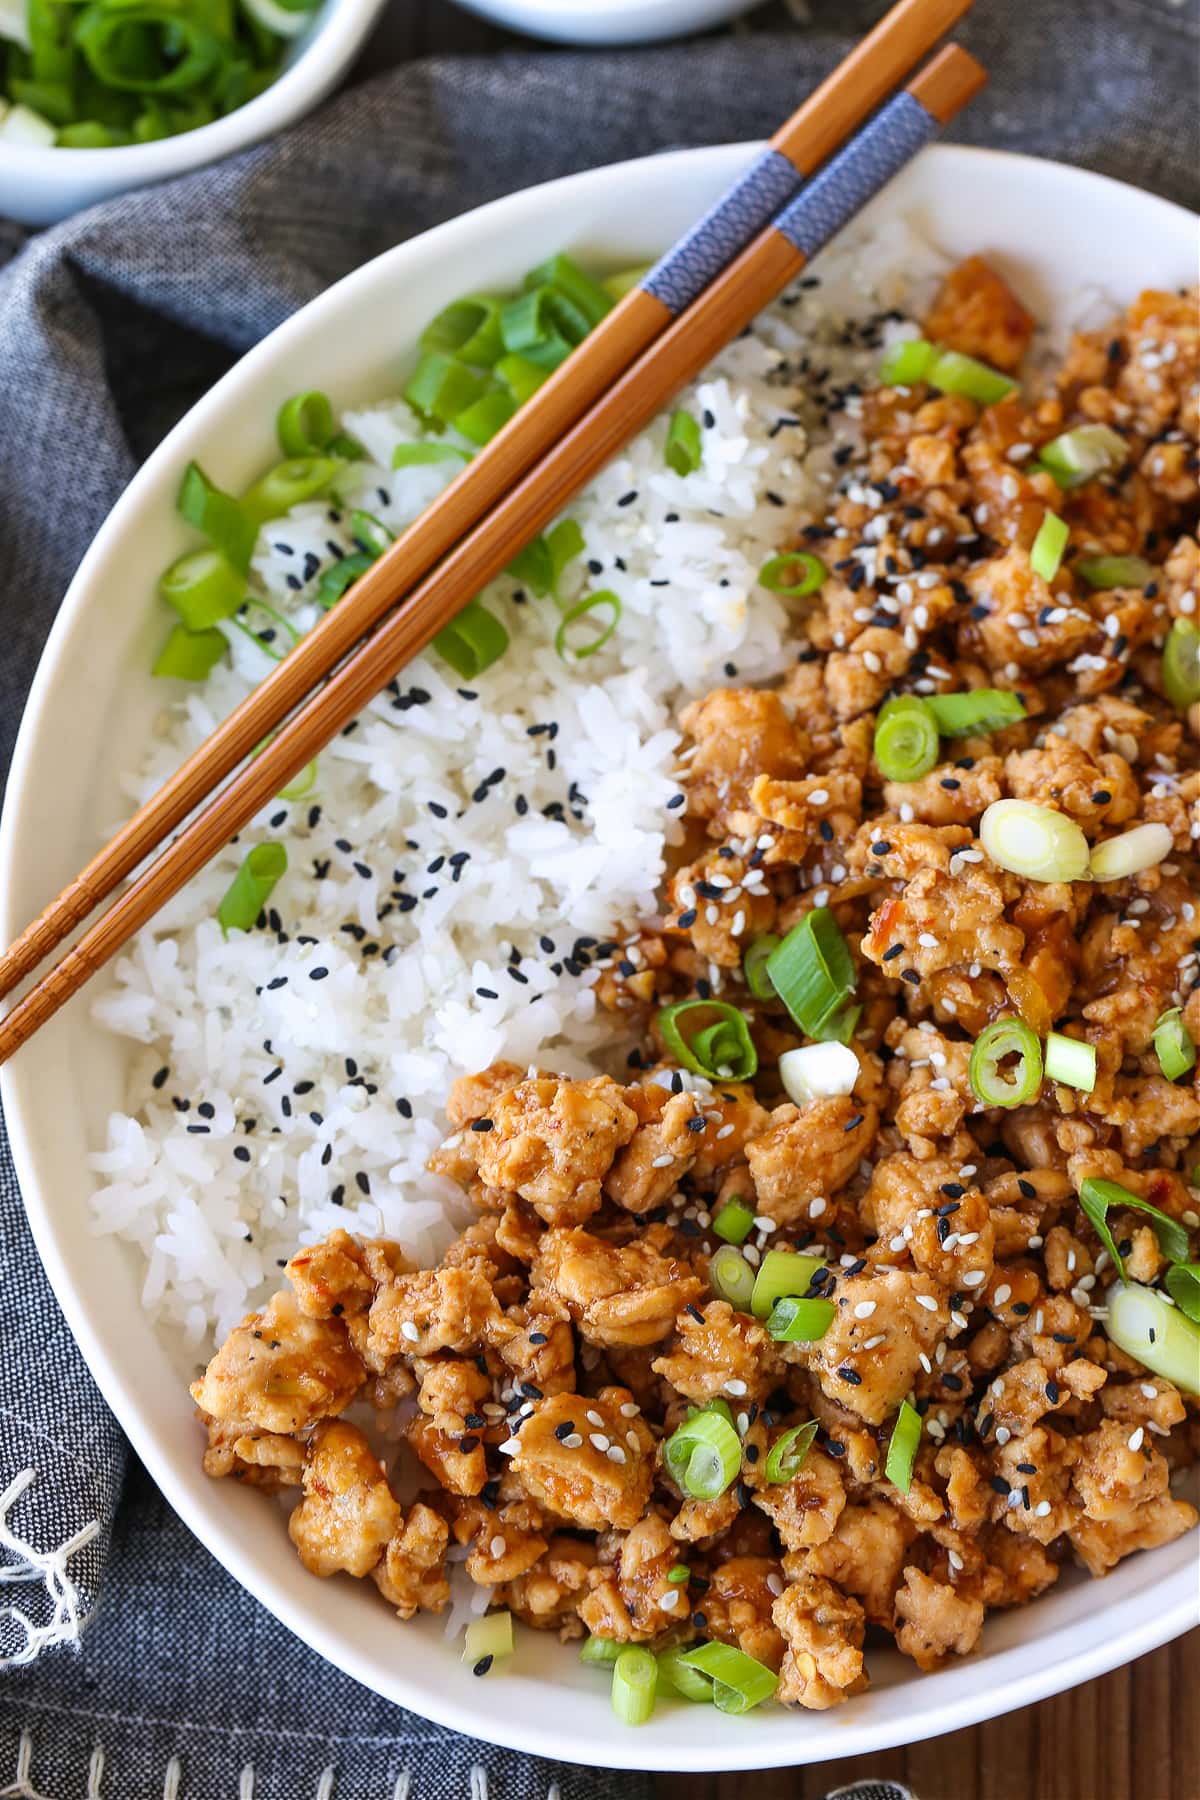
[818, 1072]
[1116, 571]
[190, 655]
[731, 1277]
[339, 576]
[905, 363]
[1035, 841]
[800, 1321]
[993, 1079]
[634, 1684]
[794, 574]
[678, 1574]
[683, 452]
[975, 713]
[490, 1636]
[754, 966]
[286, 485]
[812, 970]
[902, 1447]
[703, 1455]
[1097, 1195]
[202, 588]
[623, 282]
[1070, 1061]
[252, 887]
[441, 387]
[371, 534]
[906, 738]
[1182, 1281]
[585, 293]
[1173, 1045]
[687, 1682]
[575, 646]
[305, 425]
[718, 1044]
[1082, 453]
[468, 329]
[415, 456]
[953, 373]
[786, 1456]
[1143, 847]
[598, 1652]
[1048, 546]
[734, 1222]
[480, 421]
[1158, 1335]
[782, 1275]
[520, 377]
[472, 641]
[218, 515]
[739, 1682]
[1181, 664]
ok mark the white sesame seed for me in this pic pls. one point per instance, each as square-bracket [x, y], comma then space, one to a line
[408, 1330]
[597, 1439]
[615, 1453]
[670, 1600]
[816, 1208]
[511, 1445]
[873, 1343]
[1002, 1293]
[736, 1388]
[497, 1547]
[818, 797]
[864, 1309]
[1002, 1434]
[574, 1442]
[898, 1243]
[1149, 1391]
[630, 1409]
[1042, 1509]
[1137, 1439]
[662, 1162]
[763, 1223]
[925, 1363]
[594, 1418]
[775, 1583]
[927, 1301]
[974, 1278]
[632, 1439]
[927, 940]
[954, 1559]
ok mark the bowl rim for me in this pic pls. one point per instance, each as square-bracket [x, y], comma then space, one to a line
[1153, 1626]
[336, 28]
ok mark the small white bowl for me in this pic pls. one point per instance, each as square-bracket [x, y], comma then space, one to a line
[609, 21]
[39, 186]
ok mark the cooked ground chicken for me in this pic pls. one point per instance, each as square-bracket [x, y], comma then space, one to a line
[535, 1376]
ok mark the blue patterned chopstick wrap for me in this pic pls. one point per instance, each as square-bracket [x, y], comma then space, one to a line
[866, 164]
[726, 228]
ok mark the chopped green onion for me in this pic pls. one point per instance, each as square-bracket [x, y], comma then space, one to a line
[721, 1049]
[218, 515]
[1071, 1061]
[906, 738]
[371, 533]
[1034, 841]
[1181, 664]
[1141, 848]
[1097, 1195]
[304, 783]
[812, 970]
[572, 283]
[346, 447]
[818, 1072]
[1158, 1335]
[738, 1681]
[480, 421]
[786, 1456]
[975, 713]
[148, 48]
[441, 387]
[1082, 453]
[410, 456]
[540, 564]
[998, 1086]
[1183, 1284]
[683, 453]
[634, 1684]
[190, 655]
[1116, 571]
[305, 425]
[754, 966]
[251, 887]
[782, 1275]
[734, 1222]
[902, 1447]
[688, 1683]
[286, 485]
[624, 281]
[838, 1028]
[598, 1651]
[341, 575]
[703, 1455]
[678, 1574]
[491, 1636]
[564, 542]
[731, 1277]
[905, 363]
[544, 325]
[953, 373]
[795, 574]
[1173, 1045]
[1048, 546]
[203, 588]
[468, 329]
[797, 1321]
[472, 642]
[521, 377]
[576, 647]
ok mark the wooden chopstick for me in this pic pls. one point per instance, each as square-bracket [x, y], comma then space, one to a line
[776, 256]
[829, 114]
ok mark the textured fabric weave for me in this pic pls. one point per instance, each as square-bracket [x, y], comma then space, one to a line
[111, 325]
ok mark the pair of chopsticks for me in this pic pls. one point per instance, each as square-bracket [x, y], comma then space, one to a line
[705, 291]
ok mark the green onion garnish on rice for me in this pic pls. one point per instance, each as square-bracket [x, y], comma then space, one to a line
[794, 574]
[410, 456]
[472, 641]
[916, 359]
[203, 588]
[252, 887]
[574, 646]
[190, 655]
[339, 576]
[468, 329]
[683, 453]
[305, 425]
[480, 421]
[218, 515]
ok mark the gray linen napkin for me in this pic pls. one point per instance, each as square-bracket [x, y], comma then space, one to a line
[111, 325]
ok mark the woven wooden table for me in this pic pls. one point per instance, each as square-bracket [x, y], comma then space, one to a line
[1135, 1734]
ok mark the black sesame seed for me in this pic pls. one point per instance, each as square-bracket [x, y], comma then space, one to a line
[911, 976]
[481, 1124]
[1026, 1188]
[483, 1665]
[318, 974]
[893, 951]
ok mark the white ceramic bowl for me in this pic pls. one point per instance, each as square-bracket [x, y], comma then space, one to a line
[1052, 229]
[609, 21]
[40, 186]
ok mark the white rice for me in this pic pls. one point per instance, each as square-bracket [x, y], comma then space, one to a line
[331, 1087]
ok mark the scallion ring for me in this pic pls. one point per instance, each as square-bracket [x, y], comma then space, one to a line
[252, 887]
[416, 456]
[1035, 841]
[794, 574]
[687, 1682]
[598, 1652]
[218, 515]
[953, 373]
[1097, 1195]
[786, 1456]
[491, 1636]
[472, 641]
[203, 588]
[719, 1046]
[905, 363]
[782, 1274]
[190, 655]
[703, 1455]
[739, 1682]
[812, 970]
[305, 425]
[906, 738]
[1082, 453]
[1173, 1044]
[902, 1447]
[1181, 664]
[577, 648]
[991, 1080]
[1071, 1061]
[1144, 847]
[683, 452]
[634, 1684]
[754, 966]
[734, 1222]
[286, 485]
[1048, 546]
[1116, 571]
[977, 712]
[1162, 1337]
[730, 1277]
[800, 1321]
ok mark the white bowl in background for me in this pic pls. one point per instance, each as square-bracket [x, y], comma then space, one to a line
[1054, 231]
[609, 21]
[39, 186]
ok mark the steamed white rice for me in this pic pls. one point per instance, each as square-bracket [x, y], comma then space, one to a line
[464, 857]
